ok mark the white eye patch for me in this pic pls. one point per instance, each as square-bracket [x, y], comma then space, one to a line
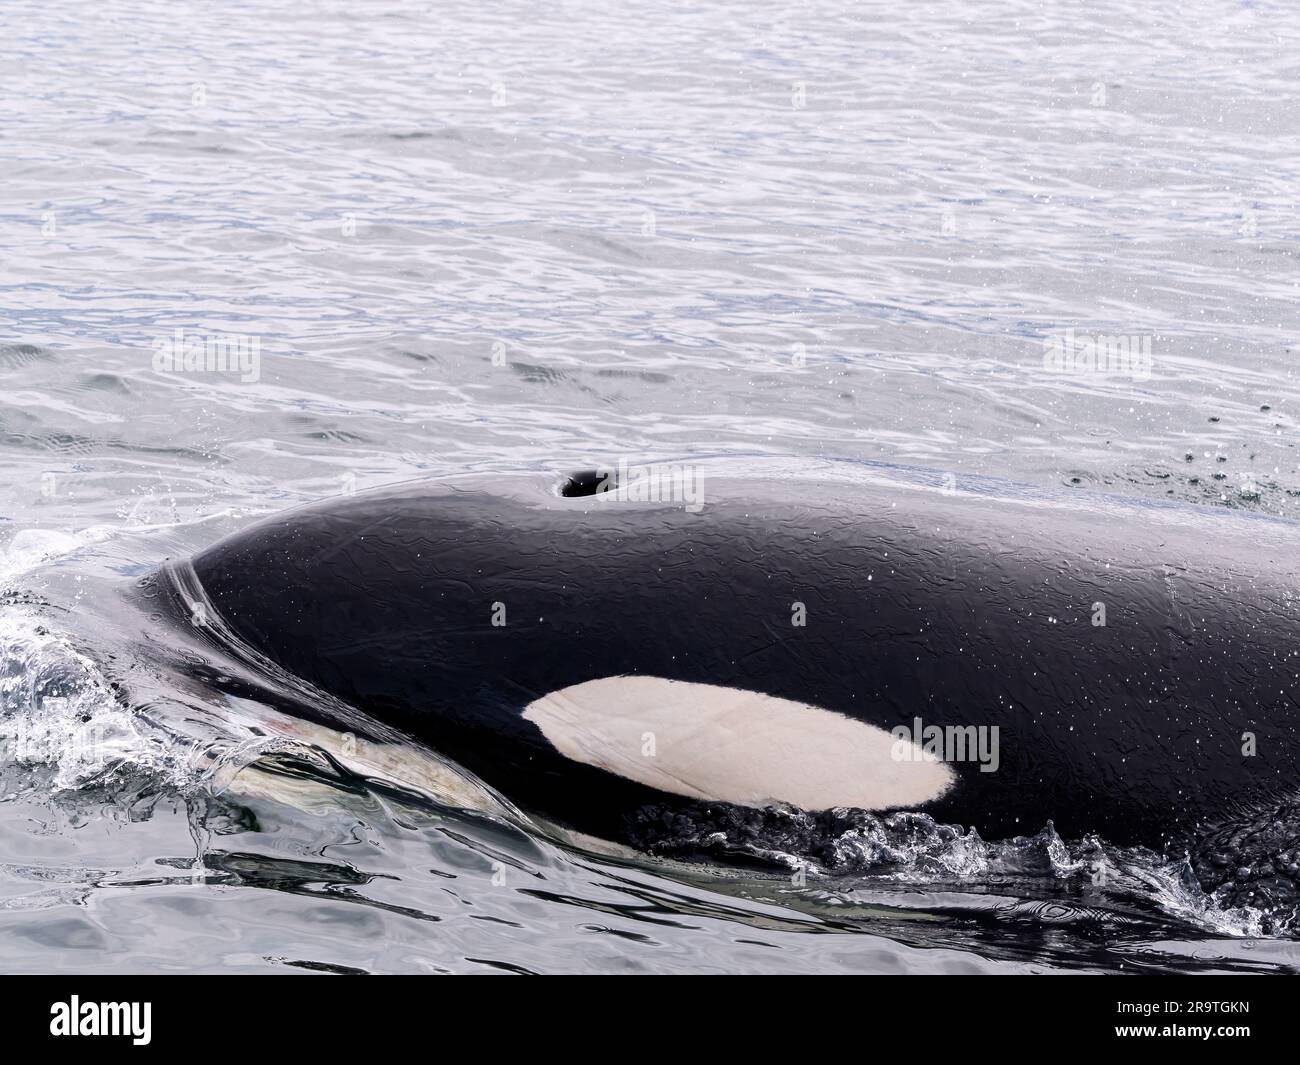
[726, 744]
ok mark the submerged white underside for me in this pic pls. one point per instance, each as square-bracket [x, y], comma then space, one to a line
[406, 766]
[726, 744]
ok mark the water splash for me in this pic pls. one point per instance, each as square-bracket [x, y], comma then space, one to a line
[58, 711]
[912, 850]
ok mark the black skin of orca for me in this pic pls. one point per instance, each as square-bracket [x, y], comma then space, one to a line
[962, 607]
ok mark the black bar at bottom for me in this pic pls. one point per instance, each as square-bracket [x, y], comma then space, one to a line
[299, 1014]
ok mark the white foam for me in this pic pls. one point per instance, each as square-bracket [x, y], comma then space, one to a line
[58, 710]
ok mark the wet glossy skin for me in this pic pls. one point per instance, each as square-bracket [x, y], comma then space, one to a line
[973, 607]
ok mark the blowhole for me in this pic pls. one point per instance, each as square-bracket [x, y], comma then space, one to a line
[589, 483]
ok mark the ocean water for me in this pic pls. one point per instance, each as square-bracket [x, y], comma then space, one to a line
[461, 237]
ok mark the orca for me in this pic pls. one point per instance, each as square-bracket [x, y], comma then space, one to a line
[836, 636]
